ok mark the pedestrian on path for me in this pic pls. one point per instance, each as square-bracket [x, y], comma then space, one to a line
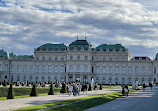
[123, 91]
[126, 91]
[150, 85]
[144, 87]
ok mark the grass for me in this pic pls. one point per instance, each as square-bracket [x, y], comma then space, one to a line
[82, 103]
[21, 92]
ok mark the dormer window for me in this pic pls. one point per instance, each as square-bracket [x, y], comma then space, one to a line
[71, 57]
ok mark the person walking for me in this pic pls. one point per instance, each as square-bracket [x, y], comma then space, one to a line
[144, 86]
[126, 91]
[70, 89]
[123, 91]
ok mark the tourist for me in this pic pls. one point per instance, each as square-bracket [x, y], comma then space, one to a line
[126, 91]
[123, 91]
[150, 85]
[95, 87]
[144, 86]
[79, 88]
[70, 89]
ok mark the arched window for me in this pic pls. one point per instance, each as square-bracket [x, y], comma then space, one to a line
[78, 68]
[71, 69]
[71, 57]
[78, 57]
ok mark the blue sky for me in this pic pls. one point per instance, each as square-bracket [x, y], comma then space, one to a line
[27, 24]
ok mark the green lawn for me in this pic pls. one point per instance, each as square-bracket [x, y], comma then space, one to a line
[82, 103]
[21, 92]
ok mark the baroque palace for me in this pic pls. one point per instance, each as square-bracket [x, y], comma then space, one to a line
[80, 61]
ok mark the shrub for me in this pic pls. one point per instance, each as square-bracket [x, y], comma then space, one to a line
[63, 88]
[51, 90]
[89, 88]
[34, 91]
[10, 92]
[4, 83]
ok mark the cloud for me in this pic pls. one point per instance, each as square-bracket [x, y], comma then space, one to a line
[28, 24]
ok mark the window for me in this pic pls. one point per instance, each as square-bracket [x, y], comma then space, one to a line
[130, 70]
[37, 58]
[12, 68]
[49, 69]
[62, 59]
[71, 57]
[70, 69]
[136, 69]
[56, 58]
[43, 57]
[117, 58]
[86, 57]
[56, 68]
[97, 70]
[86, 69]
[110, 69]
[24, 68]
[78, 57]
[78, 68]
[18, 68]
[149, 70]
[154, 70]
[104, 58]
[117, 69]
[43, 68]
[104, 70]
[6, 67]
[62, 68]
[110, 58]
[31, 68]
[123, 69]
[49, 58]
[36, 68]
[143, 69]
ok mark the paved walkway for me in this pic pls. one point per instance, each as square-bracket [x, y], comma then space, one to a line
[137, 101]
[6, 105]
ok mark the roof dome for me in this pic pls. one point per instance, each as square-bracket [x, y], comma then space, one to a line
[3, 53]
[12, 55]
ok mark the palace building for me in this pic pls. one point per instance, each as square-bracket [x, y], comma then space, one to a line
[80, 61]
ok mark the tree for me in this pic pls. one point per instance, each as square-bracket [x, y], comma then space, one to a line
[89, 88]
[100, 87]
[4, 83]
[10, 92]
[63, 88]
[51, 90]
[34, 91]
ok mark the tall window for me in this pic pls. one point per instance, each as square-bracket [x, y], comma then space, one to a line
[78, 68]
[86, 57]
[110, 70]
[149, 70]
[130, 70]
[86, 69]
[123, 69]
[12, 68]
[24, 68]
[117, 69]
[62, 68]
[43, 57]
[71, 69]
[143, 69]
[37, 68]
[31, 68]
[55, 68]
[43, 68]
[110, 58]
[104, 70]
[56, 58]
[78, 57]
[154, 70]
[136, 69]
[49, 68]
[18, 68]
[71, 57]
[104, 58]
[97, 70]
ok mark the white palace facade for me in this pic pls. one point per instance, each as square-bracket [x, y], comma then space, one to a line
[79, 61]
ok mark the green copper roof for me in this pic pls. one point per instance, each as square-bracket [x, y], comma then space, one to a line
[110, 47]
[79, 44]
[3, 53]
[21, 57]
[51, 47]
[12, 55]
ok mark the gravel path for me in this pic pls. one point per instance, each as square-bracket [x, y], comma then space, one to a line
[137, 101]
[7, 105]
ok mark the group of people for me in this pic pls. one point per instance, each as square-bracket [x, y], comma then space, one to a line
[125, 91]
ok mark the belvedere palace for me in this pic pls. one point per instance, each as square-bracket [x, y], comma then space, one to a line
[80, 61]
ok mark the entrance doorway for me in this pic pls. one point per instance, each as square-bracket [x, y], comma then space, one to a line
[70, 79]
